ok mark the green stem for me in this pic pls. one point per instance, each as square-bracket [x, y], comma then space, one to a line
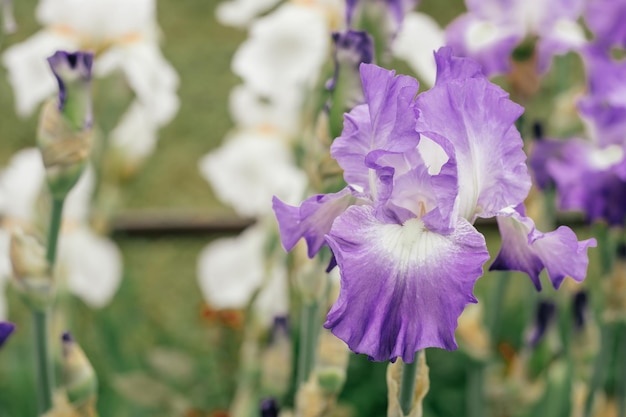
[621, 377]
[309, 327]
[43, 361]
[45, 376]
[407, 384]
[498, 297]
[53, 231]
[606, 341]
[475, 396]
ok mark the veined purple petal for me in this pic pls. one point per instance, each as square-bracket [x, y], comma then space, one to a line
[403, 287]
[6, 329]
[477, 118]
[526, 249]
[386, 122]
[312, 220]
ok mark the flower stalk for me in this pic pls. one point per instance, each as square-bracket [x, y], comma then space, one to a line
[407, 385]
[309, 327]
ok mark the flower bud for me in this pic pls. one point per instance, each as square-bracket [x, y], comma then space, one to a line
[79, 378]
[422, 384]
[31, 270]
[6, 329]
[64, 134]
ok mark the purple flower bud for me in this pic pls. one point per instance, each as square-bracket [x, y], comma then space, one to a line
[543, 317]
[6, 329]
[269, 407]
[73, 74]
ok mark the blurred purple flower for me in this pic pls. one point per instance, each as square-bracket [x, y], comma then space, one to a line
[6, 329]
[491, 30]
[544, 316]
[606, 20]
[420, 170]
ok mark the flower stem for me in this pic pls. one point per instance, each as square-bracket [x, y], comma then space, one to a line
[308, 340]
[407, 384]
[53, 231]
[606, 341]
[45, 376]
[498, 297]
[43, 361]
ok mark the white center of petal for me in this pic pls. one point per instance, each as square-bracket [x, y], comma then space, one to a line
[602, 159]
[569, 32]
[411, 244]
[432, 153]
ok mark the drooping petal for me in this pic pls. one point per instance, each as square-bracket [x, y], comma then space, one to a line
[526, 249]
[93, 265]
[312, 220]
[385, 122]
[477, 118]
[403, 287]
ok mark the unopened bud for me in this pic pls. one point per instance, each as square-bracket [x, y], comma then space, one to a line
[31, 270]
[79, 377]
[422, 385]
[64, 134]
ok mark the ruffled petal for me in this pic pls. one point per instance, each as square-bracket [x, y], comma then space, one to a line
[477, 118]
[386, 122]
[93, 265]
[312, 220]
[526, 249]
[403, 287]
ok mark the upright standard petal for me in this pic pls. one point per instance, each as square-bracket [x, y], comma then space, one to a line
[477, 118]
[386, 122]
[526, 249]
[403, 287]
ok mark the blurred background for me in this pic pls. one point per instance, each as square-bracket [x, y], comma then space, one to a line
[157, 348]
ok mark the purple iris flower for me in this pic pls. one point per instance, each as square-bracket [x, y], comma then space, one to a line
[606, 20]
[605, 103]
[6, 329]
[491, 30]
[588, 178]
[73, 74]
[420, 169]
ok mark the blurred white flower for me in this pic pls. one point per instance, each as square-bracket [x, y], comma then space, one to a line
[285, 51]
[250, 168]
[5, 271]
[418, 38]
[240, 13]
[91, 264]
[231, 270]
[122, 33]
